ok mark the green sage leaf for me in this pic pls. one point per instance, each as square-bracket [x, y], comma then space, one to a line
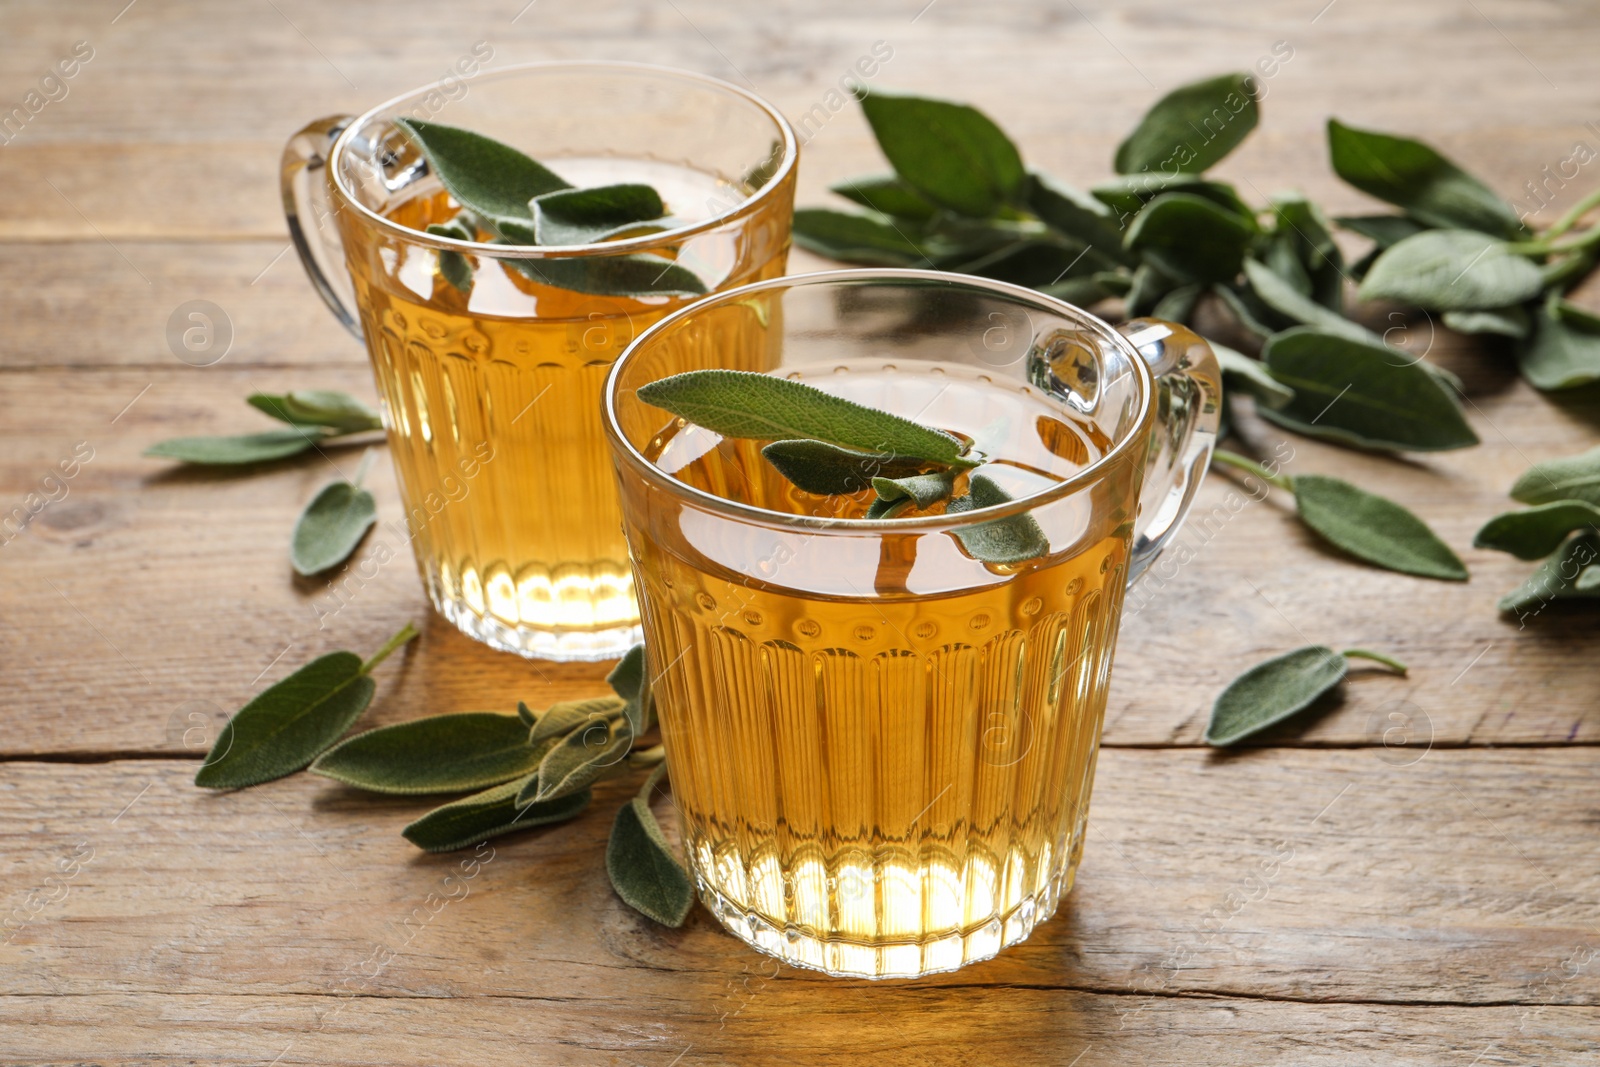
[583, 216]
[1014, 539]
[1247, 308]
[331, 527]
[1078, 215]
[629, 680]
[1248, 375]
[1382, 230]
[560, 719]
[1273, 691]
[748, 404]
[818, 467]
[1374, 529]
[453, 266]
[1034, 263]
[1281, 297]
[1128, 194]
[493, 812]
[1535, 532]
[888, 509]
[1190, 237]
[952, 154]
[339, 412]
[1148, 287]
[1305, 230]
[485, 176]
[1191, 128]
[888, 195]
[1569, 574]
[236, 451]
[1452, 270]
[587, 754]
[291, 722]
[1178, 305]
[637, 275]
[1559, 355]
[526, 715]
[1568, 478]
[643, 868]
[854, 238]
[1506, 322]
[924, 490]
[1413, 176]
[440, 754]
[1362, 394]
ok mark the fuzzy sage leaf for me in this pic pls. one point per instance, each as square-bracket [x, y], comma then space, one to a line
[1452, 270]
[584, 216]
[953, 154]
[592, 751]
[456, 753]
[1279, 688]
[238, 451]
[340, 412]
[1568, 478]
[818, 467]
[1409, 174]
[292, 721]
[333, 524]
[1177, 134]
[1374, 529]
[644, 870]
[1014, 539]
[1569, 574]
[493, 812]
[486, 177]
[1535, 532]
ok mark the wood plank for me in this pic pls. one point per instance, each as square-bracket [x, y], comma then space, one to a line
[101, 567]
[777, 1024]
[1286, 875]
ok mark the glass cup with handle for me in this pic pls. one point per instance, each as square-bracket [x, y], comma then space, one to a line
[490, 394]
[881, 746]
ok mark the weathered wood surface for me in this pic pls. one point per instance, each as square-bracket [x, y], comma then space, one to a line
[1438, 907]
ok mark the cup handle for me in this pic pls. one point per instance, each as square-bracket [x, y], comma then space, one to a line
[307, 198]
[1188, 411]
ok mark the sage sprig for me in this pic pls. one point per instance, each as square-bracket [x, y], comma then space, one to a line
[1280, 688]
[293, 721]
[333, 524]
[644, 870]
[314, 416]
[1367, 526]
[828, 445]
[1562, 528]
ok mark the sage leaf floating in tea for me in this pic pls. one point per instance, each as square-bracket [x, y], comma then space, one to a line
[747, 404]
[818, 467]
[1535, 532]
[486, 177]
[1013, 539]
[645, 872]
[456, 753]
[333, 524]
[1182, 133]
[292, 721]
[453, 266]
[493, 812]
[584, 216]
[1281, 687]
[924, 490]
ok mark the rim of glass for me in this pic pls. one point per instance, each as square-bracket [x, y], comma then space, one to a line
[1135, 437]
[747, 206]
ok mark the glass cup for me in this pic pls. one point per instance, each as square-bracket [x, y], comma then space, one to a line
[491, 397]
[881, 748]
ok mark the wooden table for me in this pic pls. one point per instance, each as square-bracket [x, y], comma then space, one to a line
[1437, 899]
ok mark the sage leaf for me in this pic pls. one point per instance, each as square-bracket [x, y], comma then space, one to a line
[1271, 692]
[1382, 230]
[1535, 532]
[629, 680]
[888, 195]
[747, 404]
[291, 722]
[1246, 307]
[924, 490]
[1191, 128]
[1559, 355]
[1078, 215]
[1127, 194]
[493, 812]
[237, 451]
[1452, 270]
[1179, 304]
[1014, 539]
[1281, 297]
[1373, 528]
[440, 754]
[526, 715]
[952, 154]
[1568, 478]
[485, 176]
[339, 412]
[453, 266]
[888, 509]
[1150, 284]
[1565, 575]
[637, 275]
[643, 868]
[818, 467]
[590, 752]
[856, 238]
[560, 719]
[1034, 263]
[1303, 227]
[1248, 375]
[1362, 394]
[583, 216]
[332, 526]
[1413, 176]
[1190, 237]
[1506, 322]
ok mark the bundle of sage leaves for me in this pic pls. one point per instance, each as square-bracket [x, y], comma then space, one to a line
[520, 770]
